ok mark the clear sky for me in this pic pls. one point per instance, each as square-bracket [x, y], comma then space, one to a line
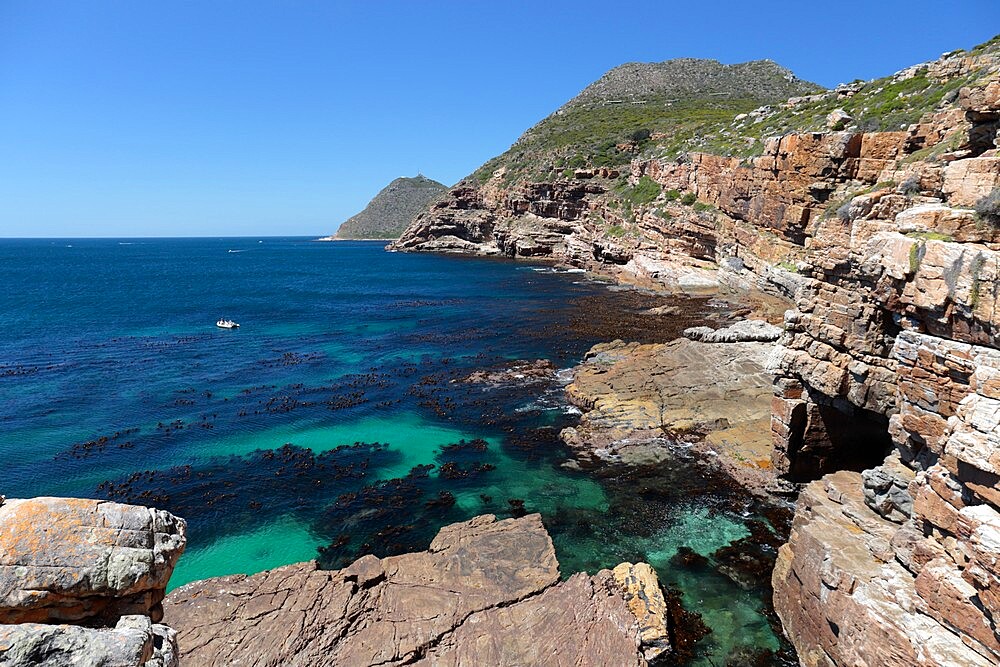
[244, 117]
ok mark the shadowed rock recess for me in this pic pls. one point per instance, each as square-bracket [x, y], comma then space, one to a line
[873, 210]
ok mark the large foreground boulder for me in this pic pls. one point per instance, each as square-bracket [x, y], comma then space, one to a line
[486, 592]
[73, 559]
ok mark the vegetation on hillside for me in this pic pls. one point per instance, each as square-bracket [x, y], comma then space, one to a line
[637, 106]
[672, 108]
[392, 209]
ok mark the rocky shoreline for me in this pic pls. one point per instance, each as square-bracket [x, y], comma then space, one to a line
[83, 582]
[485, 592]
[878, 399]
[886, 244]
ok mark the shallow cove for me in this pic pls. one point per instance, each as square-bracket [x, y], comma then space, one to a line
[336, 416]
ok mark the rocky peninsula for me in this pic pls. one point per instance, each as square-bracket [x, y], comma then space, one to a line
[391, 210]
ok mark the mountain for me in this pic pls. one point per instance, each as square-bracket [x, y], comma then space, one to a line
[635, 105]
[392, 209]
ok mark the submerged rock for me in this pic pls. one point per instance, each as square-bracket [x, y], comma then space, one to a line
[517, 372]
[485, 592]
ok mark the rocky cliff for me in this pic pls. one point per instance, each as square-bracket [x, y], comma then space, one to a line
[392, 209]
[881, 227]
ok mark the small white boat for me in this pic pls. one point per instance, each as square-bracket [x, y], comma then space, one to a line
[227, 324]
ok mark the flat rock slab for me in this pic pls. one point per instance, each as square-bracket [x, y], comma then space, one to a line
[638, 398]
[485, 592]
[71, 559]
[581, 621]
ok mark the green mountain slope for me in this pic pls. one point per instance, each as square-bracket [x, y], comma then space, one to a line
[637, 104]
[392, 209]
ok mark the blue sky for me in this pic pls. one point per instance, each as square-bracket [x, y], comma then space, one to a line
[192, 118]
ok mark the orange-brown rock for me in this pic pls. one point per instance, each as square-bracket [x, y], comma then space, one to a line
[485, 592]
[72, 559]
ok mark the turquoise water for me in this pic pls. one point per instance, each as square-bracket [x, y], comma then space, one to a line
[334, 422]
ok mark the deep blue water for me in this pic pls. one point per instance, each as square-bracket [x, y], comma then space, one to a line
[333, 418]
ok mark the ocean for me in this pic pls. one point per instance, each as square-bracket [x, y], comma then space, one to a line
[337, 420]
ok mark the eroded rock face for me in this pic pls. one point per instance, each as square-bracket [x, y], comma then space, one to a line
[485, 592]
[639, 400]
[73, 559]
[845, 599]
[578, 622]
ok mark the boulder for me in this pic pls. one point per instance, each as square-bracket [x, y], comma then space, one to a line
[134, 642]
[646, 602]
[74, 559]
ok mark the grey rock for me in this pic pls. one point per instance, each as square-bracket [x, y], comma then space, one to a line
[134, 642]
[740, 332]
[886, 489]
[71, 559]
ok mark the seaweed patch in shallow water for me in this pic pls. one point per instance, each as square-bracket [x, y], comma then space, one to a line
[237, 493]
[403, 514]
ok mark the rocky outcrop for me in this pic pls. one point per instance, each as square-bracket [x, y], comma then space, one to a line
[894, 345]
[845, 598]
[744, 331]
[73, 559]
[99, 564]
[640, 401]
[485, 592]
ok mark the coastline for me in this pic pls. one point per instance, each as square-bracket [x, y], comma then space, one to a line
[601, 311]
[334, 238]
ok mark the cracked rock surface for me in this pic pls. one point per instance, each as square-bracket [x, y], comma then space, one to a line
[485, 592]
[73, 559]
